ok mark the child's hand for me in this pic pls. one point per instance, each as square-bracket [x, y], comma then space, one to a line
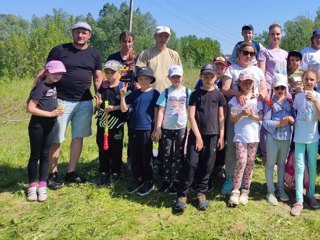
[199, 144]
[57, 112]
[123, 91]
[109, 108]
[283, 122]
[98, 99]
[157, 134]
[290, 120]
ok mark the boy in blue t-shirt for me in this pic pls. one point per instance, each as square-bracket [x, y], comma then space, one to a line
[144, 111]
[171, 128]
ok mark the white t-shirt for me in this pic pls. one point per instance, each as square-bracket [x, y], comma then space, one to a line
[310, 58]
[246, 130]
[175, 112]
[306, 124]
[234, 71]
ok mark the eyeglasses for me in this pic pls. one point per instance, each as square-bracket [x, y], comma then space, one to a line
[280, 87]
[246, 53]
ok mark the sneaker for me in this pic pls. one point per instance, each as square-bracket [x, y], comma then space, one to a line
[32, 194]
[234, 198]
[227, 187]
[135, 185]
[220, 173]
[283, 196]
[165, 186]
[146, 188]
[42, 194]
[74, 177]
[173, 189]
[102, 179]
[296, 209]
[53, 182]
[181, 204]
[271, 199]
[244, 197]
[314, 203]
[115, 178]
[203, 203]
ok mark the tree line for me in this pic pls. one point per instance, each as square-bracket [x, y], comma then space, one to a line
[24, 45]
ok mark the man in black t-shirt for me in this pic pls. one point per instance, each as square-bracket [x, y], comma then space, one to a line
[83, 64]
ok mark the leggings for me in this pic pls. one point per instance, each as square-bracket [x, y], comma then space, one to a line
[40, 134]
[245, 154]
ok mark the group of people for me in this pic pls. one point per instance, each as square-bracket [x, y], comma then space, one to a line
[262, 99]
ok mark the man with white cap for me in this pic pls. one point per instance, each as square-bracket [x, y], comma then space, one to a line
[160, 58]
[83, 64]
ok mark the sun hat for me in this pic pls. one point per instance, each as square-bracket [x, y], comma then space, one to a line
[55, 66]
[145, 71]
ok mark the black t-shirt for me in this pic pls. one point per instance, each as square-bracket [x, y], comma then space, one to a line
[207, 105]
[81, 66]
[127, 71]
[46, 94]
[116, 118]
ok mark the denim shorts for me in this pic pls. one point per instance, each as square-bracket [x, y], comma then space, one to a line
[80, 116]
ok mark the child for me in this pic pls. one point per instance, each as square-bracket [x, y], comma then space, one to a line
[144, 111]
[246, 120]
[277, 120]
[206, 115]
[43, 106]
[294, 73]
[171, 128]
[306, 137]
[110, 159]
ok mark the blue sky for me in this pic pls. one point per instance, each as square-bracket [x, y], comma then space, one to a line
[220, 20]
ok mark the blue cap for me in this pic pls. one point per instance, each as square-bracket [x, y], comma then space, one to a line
[145, 71]
[314, 33]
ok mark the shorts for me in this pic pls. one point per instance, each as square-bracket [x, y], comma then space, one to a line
[80, 116]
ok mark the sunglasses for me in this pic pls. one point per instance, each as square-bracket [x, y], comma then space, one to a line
[280, 87]
[246, 53]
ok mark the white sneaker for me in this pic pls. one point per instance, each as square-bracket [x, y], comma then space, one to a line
[42, 194]
[234, 197]
[244, 197]
[271, 199]
[32, 194]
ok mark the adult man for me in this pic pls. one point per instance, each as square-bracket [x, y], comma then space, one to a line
[247, 33]
[83, 64]
[311, 54]
[160, 58]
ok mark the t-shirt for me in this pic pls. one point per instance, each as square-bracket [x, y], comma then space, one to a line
[295, 82]
[246, 130]
[81, 66]
[143, 104]
[159, 62]
[207, 105]
[116, 118]
[175, 112]
[46, 94]
[127, 71]
[306, 124]
[234, 71]
[310, 58]
[276, 62]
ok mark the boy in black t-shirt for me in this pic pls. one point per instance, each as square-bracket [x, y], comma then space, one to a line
[108, 107]
[206, 115]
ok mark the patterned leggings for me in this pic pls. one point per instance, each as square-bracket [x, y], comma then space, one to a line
[245, 154]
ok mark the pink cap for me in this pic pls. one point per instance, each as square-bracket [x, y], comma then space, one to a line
[55, 66]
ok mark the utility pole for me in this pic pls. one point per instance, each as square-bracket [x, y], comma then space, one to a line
[130, 16]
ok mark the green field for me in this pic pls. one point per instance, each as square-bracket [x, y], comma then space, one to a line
[87, 212]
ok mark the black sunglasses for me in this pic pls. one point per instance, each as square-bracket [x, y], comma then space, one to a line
[246, 53]
[280, 87]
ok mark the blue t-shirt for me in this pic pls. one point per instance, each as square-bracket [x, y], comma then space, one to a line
[143, 104]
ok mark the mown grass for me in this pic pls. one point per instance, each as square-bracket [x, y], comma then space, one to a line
[87, 212]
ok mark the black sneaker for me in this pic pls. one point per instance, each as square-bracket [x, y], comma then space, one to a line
[53, 181]
[146, 188]
[165, 186]
[74, 177]
[135, 185]
[104, 180]
[115, 178]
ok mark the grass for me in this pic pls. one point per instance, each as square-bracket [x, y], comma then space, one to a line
[88, 212]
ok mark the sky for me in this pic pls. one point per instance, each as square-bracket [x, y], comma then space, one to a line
[219, 20]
